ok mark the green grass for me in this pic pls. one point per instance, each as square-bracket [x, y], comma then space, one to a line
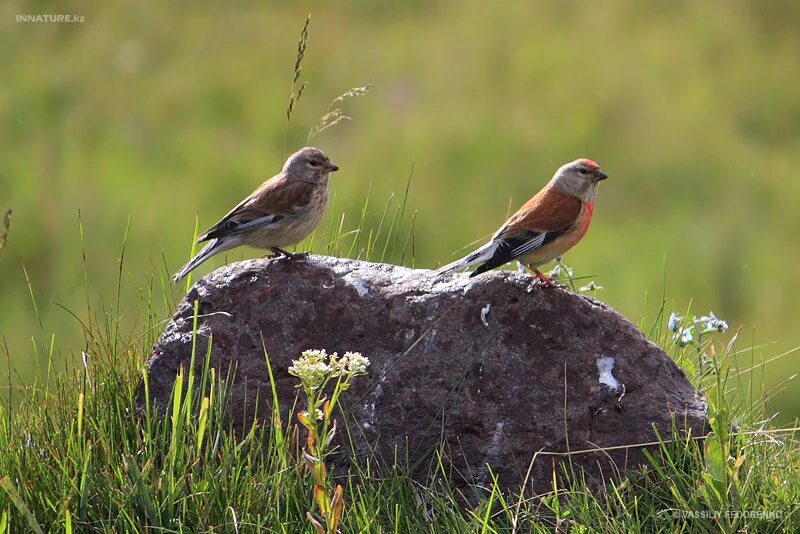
[78, 453]
[78, 456]
[658, 97]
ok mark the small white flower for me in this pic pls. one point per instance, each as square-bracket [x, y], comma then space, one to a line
[313, 371]
[684, 336]
[311, 368]
[333, 359]
[356, 363]
[674, 322]
[315, 355]
[711, 323]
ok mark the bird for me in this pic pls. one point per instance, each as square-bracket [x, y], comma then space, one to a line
[281, 212]
[545, 227]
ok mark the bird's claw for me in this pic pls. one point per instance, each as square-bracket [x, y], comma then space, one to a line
[542, 278]
[545, 281]
[280, 253]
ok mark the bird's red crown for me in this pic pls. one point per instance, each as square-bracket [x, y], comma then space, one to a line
[589, 163]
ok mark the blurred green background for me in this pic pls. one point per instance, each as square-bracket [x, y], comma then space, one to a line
[163, 111]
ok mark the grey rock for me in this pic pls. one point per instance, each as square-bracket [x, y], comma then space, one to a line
[496, 368]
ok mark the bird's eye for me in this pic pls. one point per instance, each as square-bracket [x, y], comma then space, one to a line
[583, 170]
[313, 163]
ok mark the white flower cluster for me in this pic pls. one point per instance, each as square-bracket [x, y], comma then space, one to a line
[710, 323]
[355, 363]
[312, 369]
[686, 328]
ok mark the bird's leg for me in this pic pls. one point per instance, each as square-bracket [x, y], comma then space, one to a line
[277, 251]
[274, 253]
[543, 278]
[540, 276]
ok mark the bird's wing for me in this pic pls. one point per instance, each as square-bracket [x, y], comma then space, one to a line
[549, 210]
[273, 201]
[539, 221]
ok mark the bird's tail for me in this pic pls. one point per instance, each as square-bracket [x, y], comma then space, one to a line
[481, 255]
[215, 246]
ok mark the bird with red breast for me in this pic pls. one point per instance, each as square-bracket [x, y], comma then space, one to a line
[545, 227]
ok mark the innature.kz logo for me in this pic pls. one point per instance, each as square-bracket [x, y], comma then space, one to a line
[45, 19]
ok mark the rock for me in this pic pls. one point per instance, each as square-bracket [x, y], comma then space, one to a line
[495, 367]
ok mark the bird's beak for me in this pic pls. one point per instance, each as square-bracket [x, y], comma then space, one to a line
[331, 167]
[600, 175]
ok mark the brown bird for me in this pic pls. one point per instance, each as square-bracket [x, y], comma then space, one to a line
[545, 227]
[283, 211]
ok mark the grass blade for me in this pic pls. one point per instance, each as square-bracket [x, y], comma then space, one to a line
[15, 497]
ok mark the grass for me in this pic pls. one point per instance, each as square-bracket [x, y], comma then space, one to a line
[77, 455]
[6, 227]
